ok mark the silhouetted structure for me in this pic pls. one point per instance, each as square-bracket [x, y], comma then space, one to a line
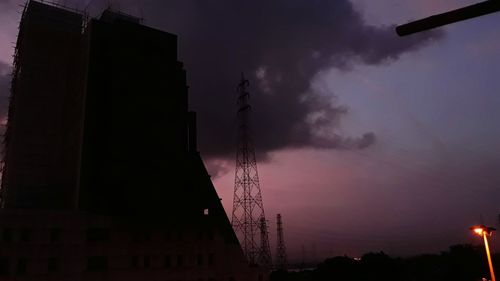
[265, 249]
[102, 177]
[44, 120]
[281, 260]
[472, 11]
[248, 217]
[460, 262]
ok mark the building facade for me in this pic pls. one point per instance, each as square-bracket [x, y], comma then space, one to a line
[102, 179]
[41, 140]
[64, 245]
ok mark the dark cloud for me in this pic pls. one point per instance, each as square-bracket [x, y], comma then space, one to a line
[280, 45]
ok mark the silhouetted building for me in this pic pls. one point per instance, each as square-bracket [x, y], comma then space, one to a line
[135, 154]
[42, 136]
[102, 179]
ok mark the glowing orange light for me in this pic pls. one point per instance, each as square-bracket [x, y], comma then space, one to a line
[478, 231]
[485, 231]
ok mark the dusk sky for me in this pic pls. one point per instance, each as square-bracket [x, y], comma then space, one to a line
[367, 141]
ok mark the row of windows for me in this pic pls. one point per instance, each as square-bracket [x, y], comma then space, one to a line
[97, 235]
[25, 235]
[22, 265]
[168, 261]
[100, 263]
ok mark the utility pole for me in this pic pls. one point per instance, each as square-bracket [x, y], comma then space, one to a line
[248, 218]
[281, 260]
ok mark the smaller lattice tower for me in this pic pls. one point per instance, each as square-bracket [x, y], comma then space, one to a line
[248, 219]
[264, 254]
[281, 261]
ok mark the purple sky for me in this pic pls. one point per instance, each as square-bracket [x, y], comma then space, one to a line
[434, 167]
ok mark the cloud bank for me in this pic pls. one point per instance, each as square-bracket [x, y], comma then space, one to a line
[281, 45]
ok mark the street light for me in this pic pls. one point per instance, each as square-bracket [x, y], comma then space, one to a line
[485, 231]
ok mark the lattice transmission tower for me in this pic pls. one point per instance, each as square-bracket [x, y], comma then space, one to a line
[281, 260]
[248, 219]
[264, 256]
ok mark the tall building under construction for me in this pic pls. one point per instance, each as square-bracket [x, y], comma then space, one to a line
[102, 179]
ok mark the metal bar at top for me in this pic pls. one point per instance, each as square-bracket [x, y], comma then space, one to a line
[472, 11]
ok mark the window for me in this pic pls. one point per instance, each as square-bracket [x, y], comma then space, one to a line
[210, 234]
[205, 212]
[199, 260]
[53, 265]
[211, 259]
[134, 262]
[167, 261]
[4, 266]
[141, 237]
[180, 260]
[97, 263]
[22, 264]
[97, 234]
[55, 235]
[7, 235]
[25, 235]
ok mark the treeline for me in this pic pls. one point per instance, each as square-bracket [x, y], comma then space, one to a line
[459, 263]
